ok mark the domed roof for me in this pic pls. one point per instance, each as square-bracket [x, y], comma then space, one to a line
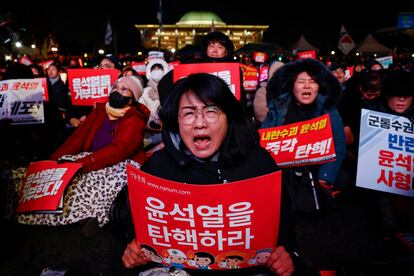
[200, 18]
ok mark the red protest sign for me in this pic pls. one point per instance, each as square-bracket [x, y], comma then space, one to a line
[259, 57]
[307, 54]
[44, 184]
[178, 222]
[139, 67]
[25, 60]
[250, 77]
[45, 92]
[46, 64]
[90, 86]
[229, 72]
[173, 64]
[306, 142]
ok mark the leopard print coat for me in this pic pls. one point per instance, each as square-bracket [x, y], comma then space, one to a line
[89, 195]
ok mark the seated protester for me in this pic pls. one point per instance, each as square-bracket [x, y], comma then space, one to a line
[302, 90]
[398, 99]
[208, 140]
[329, 231]
[156, 69]
[112, 133]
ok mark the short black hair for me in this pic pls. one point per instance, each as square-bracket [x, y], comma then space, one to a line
[241, 135]
[219, 37]
[157, 65]
[205, 255]
[240, 258]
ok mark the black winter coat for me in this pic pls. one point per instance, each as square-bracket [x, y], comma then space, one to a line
[173, 164]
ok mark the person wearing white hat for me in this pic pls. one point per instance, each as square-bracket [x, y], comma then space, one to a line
[156, 69]
[109, 125]
[112, 133]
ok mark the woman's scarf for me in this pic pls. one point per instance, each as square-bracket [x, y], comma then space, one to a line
[115, 113]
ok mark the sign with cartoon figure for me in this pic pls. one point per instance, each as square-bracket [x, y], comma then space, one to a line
[305, 142]
[220, 226]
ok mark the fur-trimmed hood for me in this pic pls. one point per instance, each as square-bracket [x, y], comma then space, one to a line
[280, 86]
[159, 61]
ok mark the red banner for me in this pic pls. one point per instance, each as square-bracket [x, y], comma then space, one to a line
[44, 184]
[229, 72]
[173, 64]
[140, 67]
[264, 72]
[220, 226]
[250, 77]
[259, 57]
[306, 142]
[307, 54]
[25, 60]
[46, 64]
[90, 86]
[45, 92]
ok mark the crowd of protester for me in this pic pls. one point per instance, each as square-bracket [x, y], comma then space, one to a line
[143, 121]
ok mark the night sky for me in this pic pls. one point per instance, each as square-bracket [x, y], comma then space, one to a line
[84, 28]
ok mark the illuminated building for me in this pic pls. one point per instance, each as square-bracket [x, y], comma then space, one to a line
[192, 26]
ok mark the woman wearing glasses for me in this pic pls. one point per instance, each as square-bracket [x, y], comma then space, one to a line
[208, 140]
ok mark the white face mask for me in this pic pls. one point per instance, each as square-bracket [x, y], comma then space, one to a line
[156, 75]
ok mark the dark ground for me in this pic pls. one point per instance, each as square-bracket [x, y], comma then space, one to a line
[27, 250]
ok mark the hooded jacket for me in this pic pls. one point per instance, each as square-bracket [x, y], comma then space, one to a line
[150, 97]
[179, 165]
[280, 99]
[127, 141]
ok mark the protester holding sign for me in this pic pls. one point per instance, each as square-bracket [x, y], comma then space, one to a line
[299, 91]
[216, 48]
[208, 140]
[396, 99]
[112, 133]
[303, 90]
[77, 114]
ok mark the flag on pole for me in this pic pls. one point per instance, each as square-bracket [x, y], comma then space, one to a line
[213, 27]
[345, 43]
[159, 14]
[108, 34]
